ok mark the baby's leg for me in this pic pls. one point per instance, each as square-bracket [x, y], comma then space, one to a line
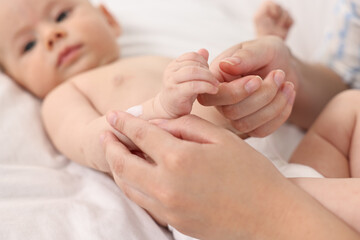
[332, 144]
[272, 19]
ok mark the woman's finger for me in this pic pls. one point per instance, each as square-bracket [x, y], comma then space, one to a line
[278, 107]
[232, 92]
[143, 134]
[258, 99]
[192, 128]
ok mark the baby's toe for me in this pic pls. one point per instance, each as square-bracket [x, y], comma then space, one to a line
[274, 10]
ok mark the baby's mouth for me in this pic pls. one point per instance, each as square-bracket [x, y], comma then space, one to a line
[68, 55]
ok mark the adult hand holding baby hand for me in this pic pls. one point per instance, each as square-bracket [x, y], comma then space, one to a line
[255, 107]
[184, 79]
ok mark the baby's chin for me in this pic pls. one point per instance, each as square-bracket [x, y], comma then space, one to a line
[73, 72]
[88, 65]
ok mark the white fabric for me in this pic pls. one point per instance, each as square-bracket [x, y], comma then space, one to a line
[45, 196]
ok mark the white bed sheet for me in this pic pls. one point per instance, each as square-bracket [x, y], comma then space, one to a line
[45, 196]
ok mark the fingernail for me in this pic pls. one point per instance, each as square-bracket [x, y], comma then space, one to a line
[232, 60]
[136, 111]
[253, 84]
[112, 118]
[279, 77]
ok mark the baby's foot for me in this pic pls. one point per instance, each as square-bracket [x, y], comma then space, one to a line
[272, 19]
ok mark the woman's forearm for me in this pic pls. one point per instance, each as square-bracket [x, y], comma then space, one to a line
[341, 196]
[317, 85]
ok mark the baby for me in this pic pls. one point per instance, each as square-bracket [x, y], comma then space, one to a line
[65, 52]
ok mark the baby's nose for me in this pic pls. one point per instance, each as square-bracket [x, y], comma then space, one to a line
[54, 37]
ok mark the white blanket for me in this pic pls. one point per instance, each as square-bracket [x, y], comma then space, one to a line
[45, 196]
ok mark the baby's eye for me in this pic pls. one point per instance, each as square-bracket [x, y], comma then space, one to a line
[29, 46]
[62, 16]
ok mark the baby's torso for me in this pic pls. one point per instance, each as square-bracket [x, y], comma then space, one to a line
[122, 84]
[129, 82]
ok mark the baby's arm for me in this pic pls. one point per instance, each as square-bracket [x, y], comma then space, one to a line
[341, 196]
[184, 78]
[74, 126]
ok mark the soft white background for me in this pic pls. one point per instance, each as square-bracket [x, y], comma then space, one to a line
[44, 196]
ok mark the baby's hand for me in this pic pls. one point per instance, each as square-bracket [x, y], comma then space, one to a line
[185, 78]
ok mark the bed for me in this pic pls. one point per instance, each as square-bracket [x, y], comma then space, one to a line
[43, 195]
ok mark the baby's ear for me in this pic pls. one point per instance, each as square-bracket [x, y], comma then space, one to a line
[110, 19]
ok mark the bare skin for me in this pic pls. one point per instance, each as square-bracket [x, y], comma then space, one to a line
[330, 147]
[272, 19]
[53, 51]
[56, 54]
[90, 95]
[247, 197]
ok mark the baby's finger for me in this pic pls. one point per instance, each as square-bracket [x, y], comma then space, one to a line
[205, 53]
[176, 66]
[192, 56]
[190, 88]
[190, 73]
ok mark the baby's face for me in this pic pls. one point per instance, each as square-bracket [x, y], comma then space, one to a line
[45, 42]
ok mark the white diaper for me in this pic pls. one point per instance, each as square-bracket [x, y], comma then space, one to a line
[294, 170]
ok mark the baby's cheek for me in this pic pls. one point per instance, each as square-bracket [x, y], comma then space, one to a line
[40, 80]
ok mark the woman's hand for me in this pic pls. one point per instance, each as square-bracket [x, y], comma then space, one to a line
[190, 170]
[208, 183]
[255, 108]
